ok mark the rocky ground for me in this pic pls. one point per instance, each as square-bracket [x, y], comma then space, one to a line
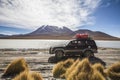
[41, 61]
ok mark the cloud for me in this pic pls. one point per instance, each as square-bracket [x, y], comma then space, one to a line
[31, 14]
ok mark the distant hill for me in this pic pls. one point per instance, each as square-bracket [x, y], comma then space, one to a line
[97, 34]
[2, 35]
[54, 32]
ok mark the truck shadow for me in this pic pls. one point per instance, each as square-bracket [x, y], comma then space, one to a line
[92, 59]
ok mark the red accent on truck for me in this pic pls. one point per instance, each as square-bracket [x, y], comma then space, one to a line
[81, 36]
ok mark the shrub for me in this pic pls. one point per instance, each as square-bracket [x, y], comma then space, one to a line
[82, 76]
[71, 68]
[82, 67]
[36, 76]
[114, 71]
[100, 68]
[96, 75]
[84, 71]
[15, 67]
[60, 68]
[85, 66]
[23, 76]
[26, 75]
[93, 75]
[68, 63]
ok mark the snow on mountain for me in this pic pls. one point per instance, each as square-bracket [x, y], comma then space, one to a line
[54, 32]
[51, 30]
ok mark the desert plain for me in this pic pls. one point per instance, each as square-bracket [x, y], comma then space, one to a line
[41, 61]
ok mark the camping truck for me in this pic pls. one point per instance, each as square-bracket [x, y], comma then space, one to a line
[82, 45]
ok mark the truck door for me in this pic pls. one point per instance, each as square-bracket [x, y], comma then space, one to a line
[72, 46]
[81, 45]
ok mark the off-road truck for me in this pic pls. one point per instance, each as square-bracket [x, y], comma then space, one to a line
[84, 47]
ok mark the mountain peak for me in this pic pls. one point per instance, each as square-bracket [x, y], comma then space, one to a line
[52, 30]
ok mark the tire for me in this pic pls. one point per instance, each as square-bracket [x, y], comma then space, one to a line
[88, 53]
[59, 53]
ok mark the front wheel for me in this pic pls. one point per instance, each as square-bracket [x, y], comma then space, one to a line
[59, 53]
[88, 53]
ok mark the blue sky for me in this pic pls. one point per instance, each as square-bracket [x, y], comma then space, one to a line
[11, 30]
[24, 16]
[107, 18]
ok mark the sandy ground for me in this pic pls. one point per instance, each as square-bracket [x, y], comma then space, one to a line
[38, 60]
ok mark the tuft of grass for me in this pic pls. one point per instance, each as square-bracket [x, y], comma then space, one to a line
[60, 68]
[36, 76]
[81, 67]
[84, 71]
[67, 63]
[96, 75]
[26, 75]
[113, 71]
[78, 70]
[71, 68]
[84, 65]
[16, 67]
[82, 76]
[23, 76]
[100, 68]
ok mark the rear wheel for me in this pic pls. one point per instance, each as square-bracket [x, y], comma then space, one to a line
[59, 53]
[88, 53]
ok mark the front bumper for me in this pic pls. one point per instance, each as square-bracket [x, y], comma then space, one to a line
[51, 50]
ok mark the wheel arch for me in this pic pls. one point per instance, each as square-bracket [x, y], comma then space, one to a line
[59, 49]
[87, 50]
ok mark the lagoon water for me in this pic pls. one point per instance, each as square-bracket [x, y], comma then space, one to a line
[43, 44]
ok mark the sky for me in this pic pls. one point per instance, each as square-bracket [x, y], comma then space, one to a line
[24, 16]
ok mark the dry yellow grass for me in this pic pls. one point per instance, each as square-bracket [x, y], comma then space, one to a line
[23, 76]
[36, 76]
[82, 66]
[71, 68]
[15, 67]
[26, 75]
[84, 71]
[96, 75]
[100, 68]
[114, 71]
[67, 63]
[60, 68]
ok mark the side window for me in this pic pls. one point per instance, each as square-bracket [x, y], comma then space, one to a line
[90, 42]
[81, 43]
[73, 43]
